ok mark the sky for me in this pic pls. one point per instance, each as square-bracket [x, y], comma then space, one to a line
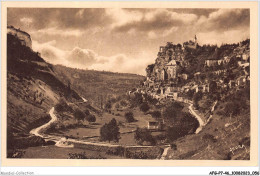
[123, 40]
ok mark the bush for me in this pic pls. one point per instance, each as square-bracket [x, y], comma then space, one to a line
[142, 135]
[91, 118]
[129, 117]
[79, 115]
[173, 133]
[62, 106]
[144, 107]
[84, 156]
[87, 112]
[108, 105]
[209, 138]
[15, 154]
[119, 151]
[123, 103]
[137, 155]
[110, 132]
[173, 146]
[156, 114]
[136, 100]
[232, 108]
[117, 106]
[173, 112]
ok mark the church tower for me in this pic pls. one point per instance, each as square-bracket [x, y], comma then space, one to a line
[195, 40]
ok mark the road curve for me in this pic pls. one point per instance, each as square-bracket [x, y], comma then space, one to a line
[37, 131]
[201, 122]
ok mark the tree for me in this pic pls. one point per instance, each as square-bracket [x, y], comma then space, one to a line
[91, 118]
[108, 105]
[79, 115]
[123, 103]
[129, 117]
[144, 107]
[213, 87]
[137, 100]
[143, 134]
[233, 62]
[173, 133]
[190, 94]
[87, 112]
[173, 111]
[110, 132]
[232, 108]
[156, 114]
[62, 106]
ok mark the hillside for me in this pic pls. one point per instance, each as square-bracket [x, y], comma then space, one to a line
[97, 86]
[32, 89]
[35, 86]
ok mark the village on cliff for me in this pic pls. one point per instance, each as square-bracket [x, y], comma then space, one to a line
[180, 71]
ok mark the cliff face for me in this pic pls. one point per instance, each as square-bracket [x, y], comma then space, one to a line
[24, 37]
[162, 69]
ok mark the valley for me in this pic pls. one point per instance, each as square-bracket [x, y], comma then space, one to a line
[194, 103]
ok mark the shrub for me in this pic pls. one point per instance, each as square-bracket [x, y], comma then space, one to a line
[84, 156]
[173, 146]
[87, 112]
[62, 106]
[156, 114]
[117, 106]
[209, 138]
[173, 133]
[232, 108]
[79, 115]
[119, 151]
[142, 135]
[173, 111]
[15, 154]
[137, 155]
[129, 117]
[136, 100]
[108, 105]
[123, 103]
[91, 118]
[144, 107]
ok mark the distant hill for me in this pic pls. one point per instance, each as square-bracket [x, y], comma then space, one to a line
[97, 86]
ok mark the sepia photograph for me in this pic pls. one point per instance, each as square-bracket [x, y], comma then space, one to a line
[128, 83]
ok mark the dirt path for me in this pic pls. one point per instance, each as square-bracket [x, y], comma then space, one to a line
[165, 152]
[38, 130]
[201, 122]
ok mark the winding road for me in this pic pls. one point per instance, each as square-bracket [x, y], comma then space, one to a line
[37, 132]
[201, 122]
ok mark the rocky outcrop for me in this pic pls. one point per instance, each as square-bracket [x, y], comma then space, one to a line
[24, 37]
[159, 70]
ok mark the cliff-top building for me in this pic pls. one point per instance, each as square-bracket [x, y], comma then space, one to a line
[169, 58]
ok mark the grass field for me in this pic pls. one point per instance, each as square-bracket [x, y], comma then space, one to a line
[92, 131]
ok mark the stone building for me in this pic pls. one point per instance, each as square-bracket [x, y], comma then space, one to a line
[171, 69]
